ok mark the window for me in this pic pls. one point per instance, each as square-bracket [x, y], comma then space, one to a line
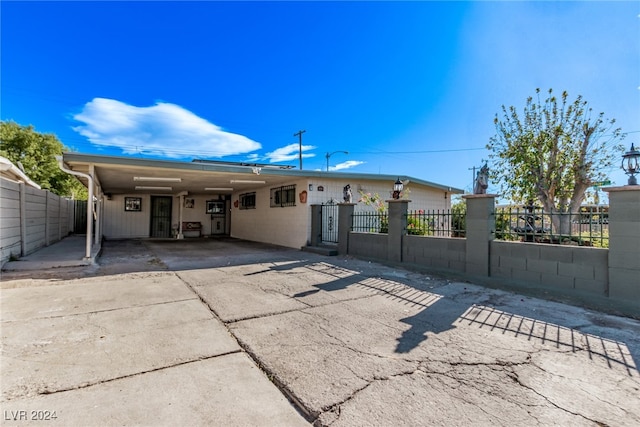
[283, 196]
[248, 201]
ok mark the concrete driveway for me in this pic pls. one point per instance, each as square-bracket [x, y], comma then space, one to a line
[226, 332]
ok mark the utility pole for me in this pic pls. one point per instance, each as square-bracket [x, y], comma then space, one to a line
[473, 180]
[299, 135]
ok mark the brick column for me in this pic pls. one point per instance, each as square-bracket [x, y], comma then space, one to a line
[316, 225]
[624, 242]
[397, 227]
[345, 211]
[481, 226]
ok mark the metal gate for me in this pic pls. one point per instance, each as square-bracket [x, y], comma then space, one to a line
[329, 221]
[160, 216]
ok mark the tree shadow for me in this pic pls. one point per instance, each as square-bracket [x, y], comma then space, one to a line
[438, 317]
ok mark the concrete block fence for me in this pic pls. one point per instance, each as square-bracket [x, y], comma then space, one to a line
[612, 273]
[31, 218]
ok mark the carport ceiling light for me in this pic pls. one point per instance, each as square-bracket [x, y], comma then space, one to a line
[146, 187]
[246, 181]
[156, 179]
[218, 189]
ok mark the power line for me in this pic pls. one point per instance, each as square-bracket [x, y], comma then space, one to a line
[419, 152]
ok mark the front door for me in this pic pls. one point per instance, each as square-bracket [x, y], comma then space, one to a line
[161, 216]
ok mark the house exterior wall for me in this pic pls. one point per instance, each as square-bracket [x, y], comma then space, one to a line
[198, 213]
[421, 197]
[285, 226]
[118, 224]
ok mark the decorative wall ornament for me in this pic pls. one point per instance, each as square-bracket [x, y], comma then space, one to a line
[133, 204]
[346, 194]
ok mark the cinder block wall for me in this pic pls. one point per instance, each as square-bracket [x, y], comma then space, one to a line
[435, 252]
[586, 270]
[368, 245]
[564, 267]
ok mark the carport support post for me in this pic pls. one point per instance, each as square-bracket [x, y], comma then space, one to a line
[624, 243]
[316, 225]
[397, 226]
[345, 213]
[481, 226]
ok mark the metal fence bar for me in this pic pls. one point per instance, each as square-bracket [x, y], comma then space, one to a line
[589, 227]
[440, 223]
[370, 222]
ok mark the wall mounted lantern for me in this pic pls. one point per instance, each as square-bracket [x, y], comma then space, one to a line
[397, 189]
[630, 164]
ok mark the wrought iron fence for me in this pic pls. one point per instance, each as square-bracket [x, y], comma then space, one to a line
[370, 222]
[589, 227]
[441, 223]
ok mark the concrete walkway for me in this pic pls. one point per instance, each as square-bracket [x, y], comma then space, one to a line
[68, 252]
[225, 332]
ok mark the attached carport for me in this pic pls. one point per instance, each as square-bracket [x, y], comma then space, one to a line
[129, 180]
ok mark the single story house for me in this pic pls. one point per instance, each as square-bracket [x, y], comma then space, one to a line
[146, 198]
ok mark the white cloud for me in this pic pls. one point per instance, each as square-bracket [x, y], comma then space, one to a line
[161, 129]
[289, 152]
[346, 165]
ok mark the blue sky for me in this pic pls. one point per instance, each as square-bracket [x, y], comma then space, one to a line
[406, 88]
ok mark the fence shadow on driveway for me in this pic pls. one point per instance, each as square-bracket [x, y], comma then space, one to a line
[434, 313]
[611, 352]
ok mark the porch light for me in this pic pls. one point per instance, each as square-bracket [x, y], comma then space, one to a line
[147, 187]
[630, 164]
[397, 188]
[246, 181]
[156, 179]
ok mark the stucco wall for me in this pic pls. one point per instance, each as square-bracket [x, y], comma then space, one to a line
[568, 267]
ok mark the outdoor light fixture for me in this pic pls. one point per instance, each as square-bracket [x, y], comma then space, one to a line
[630, 164]
[246, 181]
[156, 179]
[218, 189]
[145, 187]
[397, 188]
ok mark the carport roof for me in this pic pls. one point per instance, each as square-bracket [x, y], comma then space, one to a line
[117, 174]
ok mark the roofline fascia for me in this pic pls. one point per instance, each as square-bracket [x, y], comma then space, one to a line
[194, 166]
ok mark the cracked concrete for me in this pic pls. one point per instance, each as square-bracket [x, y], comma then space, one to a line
[349, 342]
